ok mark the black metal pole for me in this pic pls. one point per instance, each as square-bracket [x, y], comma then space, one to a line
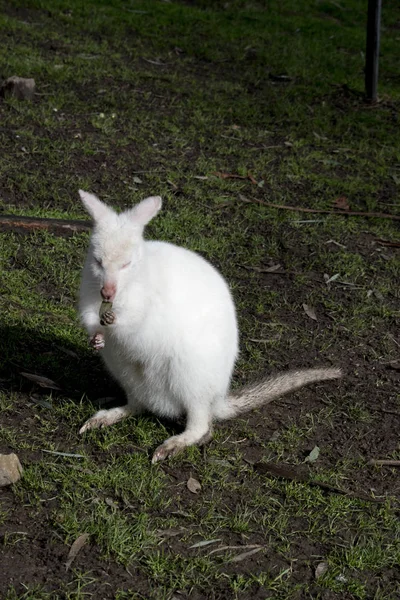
[372, 53]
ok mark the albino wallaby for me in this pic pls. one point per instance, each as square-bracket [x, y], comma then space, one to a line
[170, 337]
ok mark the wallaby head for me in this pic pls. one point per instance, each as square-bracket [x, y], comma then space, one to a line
[116, 242]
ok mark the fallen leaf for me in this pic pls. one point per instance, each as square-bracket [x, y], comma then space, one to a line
[310, 312]
[68, 352]
[279, 77]
[278, 269]
[193, 485]
[313, 456]
[110, 502]
[328, 279]
[229, 175]
[223, 548]
[41, 402]
[44, 382]
[205, 543]
[245, 555]
[136, 179]
[341, 203]
[76, 548]
[166, 533]
[321, 570]
[394, 364]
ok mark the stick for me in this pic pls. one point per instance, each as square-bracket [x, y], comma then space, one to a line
[29, 223]
[292, 474]
[387, 463]
[321, 210]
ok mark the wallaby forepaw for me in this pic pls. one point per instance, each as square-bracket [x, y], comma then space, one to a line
[169, 448]
[97, 341]
[107, 318]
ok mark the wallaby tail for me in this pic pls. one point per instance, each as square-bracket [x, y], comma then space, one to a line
[255, 395]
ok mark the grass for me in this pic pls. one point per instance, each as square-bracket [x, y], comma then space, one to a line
[138, 98]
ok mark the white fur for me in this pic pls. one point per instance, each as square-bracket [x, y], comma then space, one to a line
[174, 341]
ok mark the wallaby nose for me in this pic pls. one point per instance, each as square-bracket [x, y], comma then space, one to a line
[108, 292]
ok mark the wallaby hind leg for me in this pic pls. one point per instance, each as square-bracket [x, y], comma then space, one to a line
[198, 431]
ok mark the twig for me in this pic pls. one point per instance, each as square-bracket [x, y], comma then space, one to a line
[292, 474]
[387, 243]
[29, 223]
[320, 210]
[387, 463]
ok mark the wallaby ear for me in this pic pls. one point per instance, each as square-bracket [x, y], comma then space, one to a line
[143, 212]
[95, 207]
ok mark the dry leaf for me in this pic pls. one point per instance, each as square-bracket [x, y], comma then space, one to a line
[68, 352]
[321, 570]
[205, 543]
[44, 382]
[229, 175]
[110, 502]
[245, 555]
[167, 533]
[310, 312]
[223, 548]
[341, 203]
[193, 485]
[313, 456]
[328, 279]
[278, 269]
[76, 548]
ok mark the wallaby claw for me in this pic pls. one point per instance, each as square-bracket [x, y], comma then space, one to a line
[107, 318]
[97, 341]
[169, 448]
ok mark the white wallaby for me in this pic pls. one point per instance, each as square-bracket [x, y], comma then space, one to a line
[170, 337]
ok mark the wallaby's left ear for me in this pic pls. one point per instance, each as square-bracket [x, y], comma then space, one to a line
[143, 212]
[95, 207]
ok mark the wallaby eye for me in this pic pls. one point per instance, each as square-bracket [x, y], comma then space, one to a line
[98, 261]
[126, 265]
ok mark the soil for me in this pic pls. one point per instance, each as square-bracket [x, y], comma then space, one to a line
[45, 564]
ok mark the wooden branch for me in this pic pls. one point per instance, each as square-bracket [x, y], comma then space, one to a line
[30, 223]
[387, 463]
[321, 210]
